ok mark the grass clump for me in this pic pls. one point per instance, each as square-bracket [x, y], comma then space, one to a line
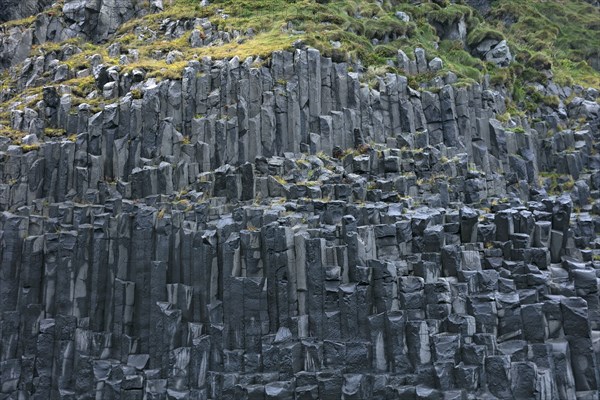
[450, 14]
[556, 183]
[544, 35]
[14, 135]
[540, 61]
[30, 147]
[481, 33]
[369, 32]
[562, 34]
[81, 87]
[280, 180]
[518, 129]
[23, 22]
[460, 61]
[51, 132]
[136, 94]
[539, 98]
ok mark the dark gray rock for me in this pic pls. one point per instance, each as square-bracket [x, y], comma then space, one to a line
[177, 243]
[21, 9]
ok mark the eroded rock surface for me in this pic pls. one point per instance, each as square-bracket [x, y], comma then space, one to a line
[285, 229]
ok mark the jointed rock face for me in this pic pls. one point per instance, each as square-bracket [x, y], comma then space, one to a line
[283, 231]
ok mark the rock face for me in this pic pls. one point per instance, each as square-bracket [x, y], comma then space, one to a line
[92, 20]
[283, 230]
[15, 47]
[452, 30]
[494, 51]
[17, 9]
[99, 18]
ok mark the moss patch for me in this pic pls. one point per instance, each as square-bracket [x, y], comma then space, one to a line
[543, 34]
[563, 33]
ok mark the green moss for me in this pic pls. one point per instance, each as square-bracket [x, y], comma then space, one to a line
[280, 180]
[354, 24]
[30, 147]
[556, 183]
[540, 61]
[14, 135]
[563, 34]
[54, 132]
[50, 47]
[550, 34]
[386, 25]
[459, 61]
[481, 33]
[370, 77]
[24, 22]
[551, 101]
[518, 129]
[504, 118]
[81, 87]
[569, 72]
[451, 13]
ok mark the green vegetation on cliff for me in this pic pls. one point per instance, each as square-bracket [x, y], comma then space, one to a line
[557, 39]
[563, 36]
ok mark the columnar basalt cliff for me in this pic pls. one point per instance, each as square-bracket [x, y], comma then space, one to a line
[293, 228]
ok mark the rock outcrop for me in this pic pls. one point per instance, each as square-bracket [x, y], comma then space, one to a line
[290, 228]
[199, 242]
[98, 19]
[18, 9]
[494, 51]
